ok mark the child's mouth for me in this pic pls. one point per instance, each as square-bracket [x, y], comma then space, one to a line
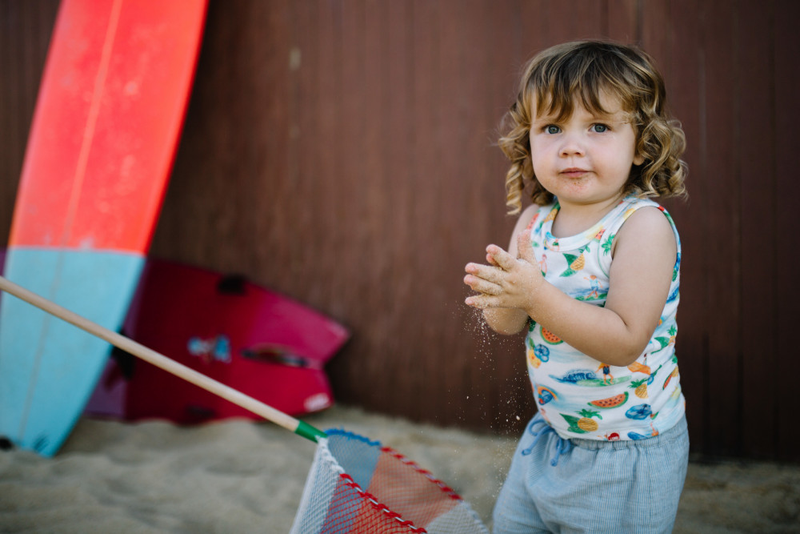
[574, 172]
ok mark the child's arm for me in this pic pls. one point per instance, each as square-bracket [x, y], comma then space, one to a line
[641, 272]
[504, 320]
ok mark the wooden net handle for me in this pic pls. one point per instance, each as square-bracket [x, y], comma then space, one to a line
[159, 360]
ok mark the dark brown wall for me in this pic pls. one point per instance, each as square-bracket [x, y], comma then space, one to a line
[342, 152]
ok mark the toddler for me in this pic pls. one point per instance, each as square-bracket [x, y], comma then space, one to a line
[592, 272]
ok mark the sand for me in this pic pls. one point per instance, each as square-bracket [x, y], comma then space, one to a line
[239, 476]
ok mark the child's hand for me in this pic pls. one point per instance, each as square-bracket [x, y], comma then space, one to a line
[507, 282]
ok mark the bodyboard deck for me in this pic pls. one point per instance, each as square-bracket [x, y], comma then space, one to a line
[257, 341]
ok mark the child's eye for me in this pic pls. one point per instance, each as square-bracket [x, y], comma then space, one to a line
[599, 128]
[552, 129]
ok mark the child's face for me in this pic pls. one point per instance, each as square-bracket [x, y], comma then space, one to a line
[586, 158]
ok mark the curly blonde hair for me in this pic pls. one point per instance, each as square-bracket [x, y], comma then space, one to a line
[580, 72]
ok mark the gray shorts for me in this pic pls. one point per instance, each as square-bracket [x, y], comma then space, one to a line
[579, 485]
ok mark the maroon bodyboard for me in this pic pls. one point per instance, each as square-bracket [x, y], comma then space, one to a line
[259, 342]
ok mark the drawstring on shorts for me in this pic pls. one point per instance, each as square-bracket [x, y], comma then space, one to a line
[563, 446]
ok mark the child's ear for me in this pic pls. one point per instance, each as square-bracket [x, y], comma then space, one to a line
[638, 159]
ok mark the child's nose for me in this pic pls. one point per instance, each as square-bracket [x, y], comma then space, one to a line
[572, 145]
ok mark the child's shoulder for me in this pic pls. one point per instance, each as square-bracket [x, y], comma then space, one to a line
[633, 203]
[644, 210]
[645, 220]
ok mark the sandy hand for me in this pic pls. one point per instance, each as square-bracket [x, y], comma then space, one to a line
[507, 282]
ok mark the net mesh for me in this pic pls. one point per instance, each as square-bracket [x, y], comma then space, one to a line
[355, 485]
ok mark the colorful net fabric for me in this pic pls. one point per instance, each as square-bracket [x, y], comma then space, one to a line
[357, 486]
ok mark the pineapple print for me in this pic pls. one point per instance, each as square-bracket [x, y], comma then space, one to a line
[586, 423]
[576, 263]
[640, 387]
[667, 341]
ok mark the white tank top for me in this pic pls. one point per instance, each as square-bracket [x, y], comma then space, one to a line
[579, 396]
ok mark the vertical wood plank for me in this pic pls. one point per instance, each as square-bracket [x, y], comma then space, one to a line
[326, 141]
[535, 19]
[483, 205]
[267, 216]
[346, 376]
[379, 206]
[786, 50]
[366, 358]
[426, 181]
[306, 229]
[722, 245]
[409, 280]
[455, 98]
[655, 36]
[395, 282]
[453, 93]
[569, 20]
[755, 159]
[622, 21]
[314, 142]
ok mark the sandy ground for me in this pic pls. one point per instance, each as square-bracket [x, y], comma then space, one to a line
[241, 477]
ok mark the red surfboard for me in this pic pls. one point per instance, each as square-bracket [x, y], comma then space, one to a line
[257, 341]
[108, 116]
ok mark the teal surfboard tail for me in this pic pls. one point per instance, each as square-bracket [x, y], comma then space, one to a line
[49, 368]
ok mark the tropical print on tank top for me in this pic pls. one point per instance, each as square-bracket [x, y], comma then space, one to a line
[579, 396]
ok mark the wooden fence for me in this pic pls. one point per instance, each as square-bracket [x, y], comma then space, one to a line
[342, 152]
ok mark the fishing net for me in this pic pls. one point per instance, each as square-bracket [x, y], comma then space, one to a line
[355, 485]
